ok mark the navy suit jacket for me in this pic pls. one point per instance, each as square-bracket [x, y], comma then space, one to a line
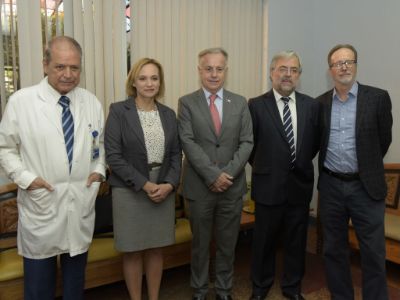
[273, 182]
[125, 147]
[373, 135]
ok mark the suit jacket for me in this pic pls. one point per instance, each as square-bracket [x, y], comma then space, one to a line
[373, 135]
[125, 147]
[273, 182]
[31, 145]
[208, 155]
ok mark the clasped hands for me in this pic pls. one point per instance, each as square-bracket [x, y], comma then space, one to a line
[222, 183]
[157, 192]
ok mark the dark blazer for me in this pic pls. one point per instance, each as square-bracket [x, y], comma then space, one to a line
[273, 182]
[125, 148]
[206, 154]
[373, 135]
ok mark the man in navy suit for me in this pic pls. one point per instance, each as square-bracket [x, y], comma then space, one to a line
[356, 124]
[282, 176]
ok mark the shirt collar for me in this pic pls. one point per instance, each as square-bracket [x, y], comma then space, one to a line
[279, 96]
[55, 95]
[220, 93]
[353, 91]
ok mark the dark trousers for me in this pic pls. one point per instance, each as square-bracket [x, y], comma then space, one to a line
[341, 201]
[219, 217]
[40, 277]
[289, 222]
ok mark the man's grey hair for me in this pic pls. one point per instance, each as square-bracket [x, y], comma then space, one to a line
[287, 54]
[217, 50]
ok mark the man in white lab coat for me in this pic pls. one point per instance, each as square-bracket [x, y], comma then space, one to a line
[51, 146]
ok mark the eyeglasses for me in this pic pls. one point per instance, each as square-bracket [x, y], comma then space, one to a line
[219, 70]
[285, 70]
[339, 64]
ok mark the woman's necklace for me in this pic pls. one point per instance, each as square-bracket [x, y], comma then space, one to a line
[148, 117]
[151, 107]
[154, 108]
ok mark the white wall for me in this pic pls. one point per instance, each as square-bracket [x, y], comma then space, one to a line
[313, 27]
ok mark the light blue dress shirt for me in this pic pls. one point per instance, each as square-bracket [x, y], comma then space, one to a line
[341, 156]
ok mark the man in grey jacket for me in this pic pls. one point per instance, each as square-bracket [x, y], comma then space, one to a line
[216, 135]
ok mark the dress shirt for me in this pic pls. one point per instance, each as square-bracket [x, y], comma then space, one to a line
[55, 97]
[154, 137]
[217, 102]
[292, 108]
[341, 153]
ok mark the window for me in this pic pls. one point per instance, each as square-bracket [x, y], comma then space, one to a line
[52, 23]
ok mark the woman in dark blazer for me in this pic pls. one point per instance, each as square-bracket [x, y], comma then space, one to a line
[144, 155]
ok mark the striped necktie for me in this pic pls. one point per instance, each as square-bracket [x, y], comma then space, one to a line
[288, 126]
[68, 128]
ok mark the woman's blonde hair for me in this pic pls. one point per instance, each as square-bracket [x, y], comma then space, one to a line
[134, 73]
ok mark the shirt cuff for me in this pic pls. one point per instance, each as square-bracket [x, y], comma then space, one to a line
[24, 179]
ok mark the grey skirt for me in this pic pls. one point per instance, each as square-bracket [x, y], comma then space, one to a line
[139, 223]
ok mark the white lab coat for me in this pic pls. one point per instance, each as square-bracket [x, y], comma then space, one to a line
[31, 145]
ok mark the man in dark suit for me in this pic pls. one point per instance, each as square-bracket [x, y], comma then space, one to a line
[216, 135]
[285, 128]
[356, 123]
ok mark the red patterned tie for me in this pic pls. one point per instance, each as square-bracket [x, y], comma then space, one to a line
[215, 114]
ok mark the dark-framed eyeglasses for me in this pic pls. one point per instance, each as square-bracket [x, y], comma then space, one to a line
[339, 64]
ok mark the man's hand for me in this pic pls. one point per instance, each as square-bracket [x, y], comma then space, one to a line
[94, 177]
[223, 182]
[40, 183]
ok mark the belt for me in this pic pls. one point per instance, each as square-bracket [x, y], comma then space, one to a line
[342, 176]
[154, 166]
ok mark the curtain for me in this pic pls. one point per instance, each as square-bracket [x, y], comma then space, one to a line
[100, 28]
[175, 31]
[171, 31]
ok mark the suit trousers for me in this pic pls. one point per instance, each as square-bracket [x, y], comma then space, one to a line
[341, 201]
[214, 216]
[40, 277]
[289, 221]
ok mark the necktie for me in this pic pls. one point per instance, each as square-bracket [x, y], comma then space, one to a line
[68, 128]
[287, 124]
[215, 114]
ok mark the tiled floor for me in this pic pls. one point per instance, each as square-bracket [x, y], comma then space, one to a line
[176, 282]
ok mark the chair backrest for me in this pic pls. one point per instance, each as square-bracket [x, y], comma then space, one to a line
[8, 216]
[392, 176]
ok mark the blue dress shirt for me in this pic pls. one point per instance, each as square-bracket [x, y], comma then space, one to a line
[341, 154]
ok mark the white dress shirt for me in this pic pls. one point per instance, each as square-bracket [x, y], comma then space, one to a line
[292, 108]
